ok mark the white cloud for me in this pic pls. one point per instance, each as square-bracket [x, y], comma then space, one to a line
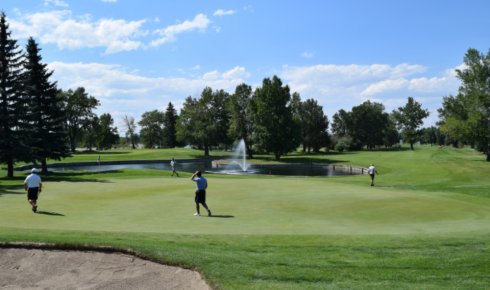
[196, 67]
[56, 2]
[236, 73]
[345, 86]
[423, 84]
[221, 12]
[217, 28]
[156, 19]
[129, 92]
[200, 22]
[212, 75]
[60, 28]
[307, 54]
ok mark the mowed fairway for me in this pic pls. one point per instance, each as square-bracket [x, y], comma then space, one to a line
[425, 225]
[244, 206]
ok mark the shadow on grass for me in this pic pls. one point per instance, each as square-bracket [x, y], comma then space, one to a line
[222, 216]
[18, 187]
[92, 152]
[50, 213]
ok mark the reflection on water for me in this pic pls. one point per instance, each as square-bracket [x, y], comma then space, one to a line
[192, 167]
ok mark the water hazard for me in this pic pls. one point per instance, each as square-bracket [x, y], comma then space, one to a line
[192, 167]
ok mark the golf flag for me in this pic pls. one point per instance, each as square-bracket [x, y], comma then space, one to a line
[98, 159]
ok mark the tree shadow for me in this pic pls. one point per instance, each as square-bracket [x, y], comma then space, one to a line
[50, 213]
[222, 216]
[54, 177]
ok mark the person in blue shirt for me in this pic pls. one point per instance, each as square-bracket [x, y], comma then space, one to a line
[202, 185]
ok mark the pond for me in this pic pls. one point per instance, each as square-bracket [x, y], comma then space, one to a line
[192, 167]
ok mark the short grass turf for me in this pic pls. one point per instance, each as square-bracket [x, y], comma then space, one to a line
[424, 225]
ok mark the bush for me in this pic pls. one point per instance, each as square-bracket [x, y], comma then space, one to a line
[340, 146]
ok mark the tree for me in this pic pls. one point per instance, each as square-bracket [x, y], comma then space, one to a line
[12, 105]
[89, 132]
[129, 127]
[409, 118]
[475, 87]
[152, 128]
[390, 133]
[106, 135]
[46, 118]
[241, 121]
[367, 123]
[339, 123]
[205, 121]
[78, 106]
[275, 128]
[314, 125]
[169, 130]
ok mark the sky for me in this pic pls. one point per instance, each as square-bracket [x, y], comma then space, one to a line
[137, 56]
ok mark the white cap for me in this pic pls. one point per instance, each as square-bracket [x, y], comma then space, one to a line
[33, 170]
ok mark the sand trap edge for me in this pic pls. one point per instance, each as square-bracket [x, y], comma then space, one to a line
[87, 247]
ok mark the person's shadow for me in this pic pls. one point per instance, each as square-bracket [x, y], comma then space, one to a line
[50, 213]
[222, 216]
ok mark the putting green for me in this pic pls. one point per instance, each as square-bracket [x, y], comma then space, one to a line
[245, 206]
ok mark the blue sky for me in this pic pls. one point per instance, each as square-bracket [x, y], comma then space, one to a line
[137, 56]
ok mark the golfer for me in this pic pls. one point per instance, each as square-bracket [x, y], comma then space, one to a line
[33, 186]
[371, 171]
[202, 185]
[173, 163]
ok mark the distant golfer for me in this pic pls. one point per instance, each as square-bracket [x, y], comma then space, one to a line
[33, 186]
[371, 171]
[173, 163]
[202, 185]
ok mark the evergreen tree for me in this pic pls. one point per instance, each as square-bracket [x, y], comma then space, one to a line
[12, 107]
[170, 131]
[46, 117]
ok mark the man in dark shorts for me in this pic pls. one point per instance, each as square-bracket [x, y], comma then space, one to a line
[202, 185]
[33, 186]
[371, 171]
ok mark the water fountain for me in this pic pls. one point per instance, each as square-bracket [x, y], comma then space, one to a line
[239, 157]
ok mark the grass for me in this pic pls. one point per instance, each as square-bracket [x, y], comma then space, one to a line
[138, 154]
[424, 226]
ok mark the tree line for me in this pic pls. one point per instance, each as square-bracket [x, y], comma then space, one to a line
[38, 121]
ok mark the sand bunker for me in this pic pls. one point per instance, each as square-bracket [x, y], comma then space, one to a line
[53, 269]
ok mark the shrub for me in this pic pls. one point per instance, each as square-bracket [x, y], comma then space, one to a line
[340, 146]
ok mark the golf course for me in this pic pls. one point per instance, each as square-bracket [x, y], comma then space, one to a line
[424, 225]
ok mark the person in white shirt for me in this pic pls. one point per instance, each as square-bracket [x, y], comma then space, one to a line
[173, 163]
[33, 186]
[371, 171]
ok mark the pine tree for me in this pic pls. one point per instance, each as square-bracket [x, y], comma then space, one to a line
[46, 116]
[12, 147]
[169, 132]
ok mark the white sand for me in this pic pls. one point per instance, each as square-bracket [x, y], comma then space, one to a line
[53, 269]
